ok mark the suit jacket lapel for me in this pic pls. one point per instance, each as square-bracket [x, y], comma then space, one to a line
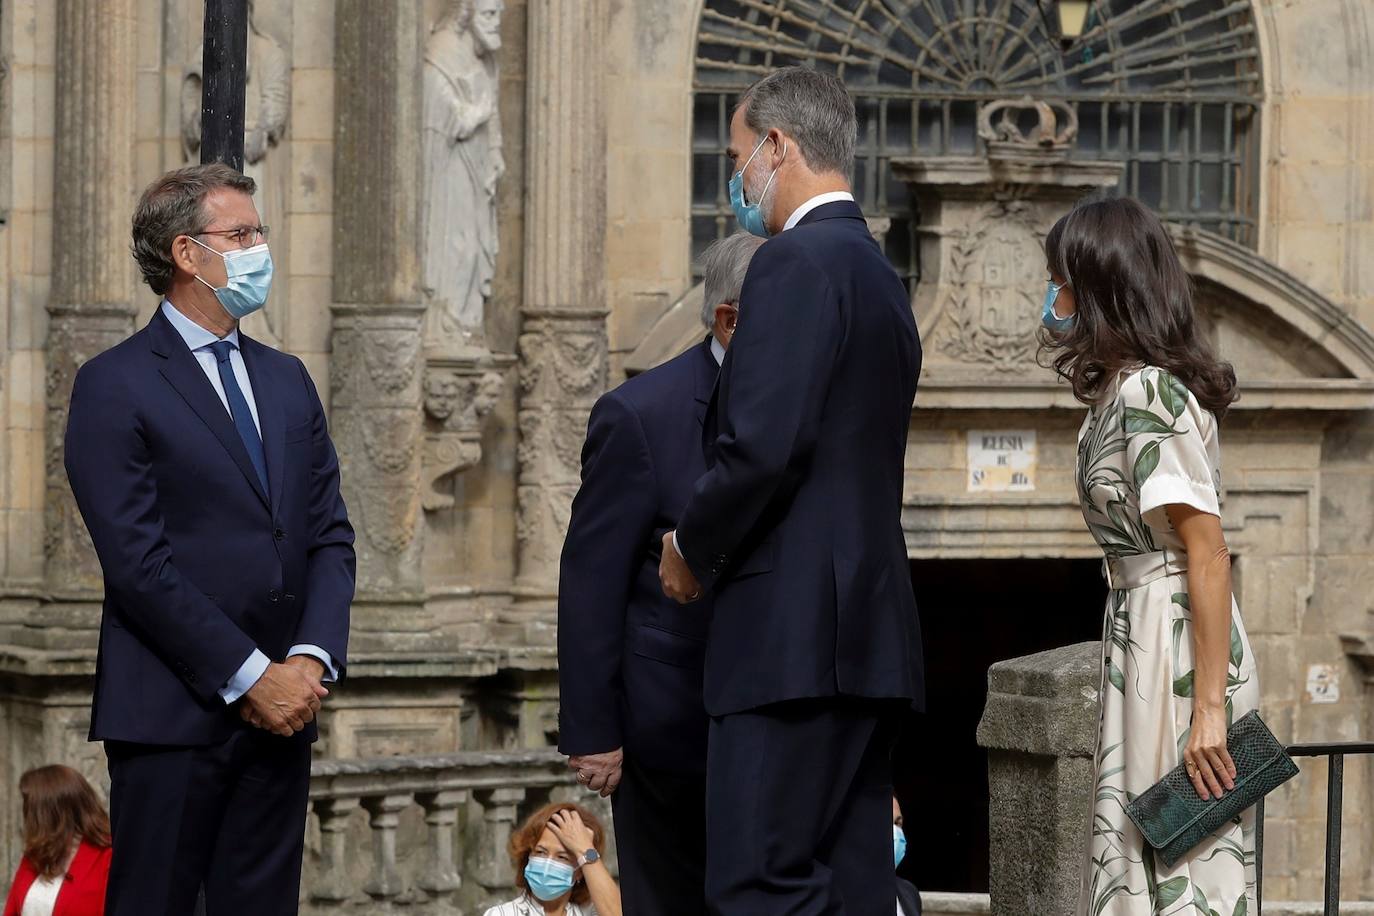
[269, 418]
[181, 370]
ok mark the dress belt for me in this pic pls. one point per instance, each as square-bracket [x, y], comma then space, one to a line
[1138, 570]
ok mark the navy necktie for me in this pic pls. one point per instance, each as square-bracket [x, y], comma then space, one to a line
[238, 409]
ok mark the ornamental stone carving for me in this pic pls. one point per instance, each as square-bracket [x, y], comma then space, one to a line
[1005, 138]
[74, 336]
[462, 164]
[982, 225]
[459, 394]
[377, 426]
[993, 288]
[562, 371]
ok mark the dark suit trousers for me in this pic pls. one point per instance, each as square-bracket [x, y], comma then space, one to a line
[799, 809]
[660, 834]
[230, 816]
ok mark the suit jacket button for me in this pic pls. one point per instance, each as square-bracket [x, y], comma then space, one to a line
[279, 534]
[273, 595]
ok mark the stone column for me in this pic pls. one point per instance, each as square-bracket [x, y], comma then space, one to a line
[563, 339]
[1040, 729]
[376, 370]
[90, 308]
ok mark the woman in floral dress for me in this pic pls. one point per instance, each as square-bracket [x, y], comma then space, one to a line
[1176, 663]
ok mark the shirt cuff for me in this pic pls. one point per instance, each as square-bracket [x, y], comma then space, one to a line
[331, 672]
[677, 548]
[245, 677]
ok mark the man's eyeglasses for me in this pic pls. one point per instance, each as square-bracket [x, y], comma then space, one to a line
[243, 236]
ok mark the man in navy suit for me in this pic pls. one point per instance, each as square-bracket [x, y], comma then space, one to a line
[795, 530]
[203, 469]
[630, 660]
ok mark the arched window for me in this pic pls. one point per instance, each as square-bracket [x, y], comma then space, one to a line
[1171, 88]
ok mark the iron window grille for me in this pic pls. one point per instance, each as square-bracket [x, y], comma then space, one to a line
[1171, 88]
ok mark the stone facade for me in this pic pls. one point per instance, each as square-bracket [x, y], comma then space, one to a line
[460, 457]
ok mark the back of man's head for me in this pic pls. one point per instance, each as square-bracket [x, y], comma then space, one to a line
[810, 106]
[723, 266]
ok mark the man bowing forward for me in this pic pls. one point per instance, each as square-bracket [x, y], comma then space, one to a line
[814, 646]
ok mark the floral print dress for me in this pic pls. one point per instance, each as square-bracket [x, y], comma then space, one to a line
[1146, 445]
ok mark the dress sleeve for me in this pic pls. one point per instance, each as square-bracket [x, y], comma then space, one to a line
[1166, 446]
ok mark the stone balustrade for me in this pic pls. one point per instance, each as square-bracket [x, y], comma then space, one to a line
[425, 833]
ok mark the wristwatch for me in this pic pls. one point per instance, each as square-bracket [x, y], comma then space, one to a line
[591, 855]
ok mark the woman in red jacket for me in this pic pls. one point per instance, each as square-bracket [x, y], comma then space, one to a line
[66, 847]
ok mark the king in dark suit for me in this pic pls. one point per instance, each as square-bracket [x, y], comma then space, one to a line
[630, 660]
[795, 531]
[204, 471]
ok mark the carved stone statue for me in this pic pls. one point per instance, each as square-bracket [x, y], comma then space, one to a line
[267, 108]
[463, 163]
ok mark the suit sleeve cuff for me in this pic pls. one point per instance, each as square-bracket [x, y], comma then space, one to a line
[247, 675]
[331, 671]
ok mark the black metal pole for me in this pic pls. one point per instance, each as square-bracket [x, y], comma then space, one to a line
[223, 82]
[1334, 794]
[1259, 857]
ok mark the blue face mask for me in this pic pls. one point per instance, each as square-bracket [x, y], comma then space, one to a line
[1047, 314]
[750, 217]
[249, 273]
[898, 844]
[548, 879]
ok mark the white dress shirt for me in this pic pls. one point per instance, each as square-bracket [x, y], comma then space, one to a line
[819, 200]
[829, 197]
[198, 339]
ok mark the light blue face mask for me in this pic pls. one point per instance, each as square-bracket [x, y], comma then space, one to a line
[548, 879]
[749, 216]
[898, 845]
[249, 273]
[1048, 317]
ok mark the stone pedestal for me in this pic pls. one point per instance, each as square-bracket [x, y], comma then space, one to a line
[1040, 730]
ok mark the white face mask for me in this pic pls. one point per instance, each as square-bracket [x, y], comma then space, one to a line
[249, 273]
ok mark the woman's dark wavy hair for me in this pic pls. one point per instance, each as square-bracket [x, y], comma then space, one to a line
[1135, 304]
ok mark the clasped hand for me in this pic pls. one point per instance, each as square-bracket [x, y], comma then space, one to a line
[286, 697]
[599, 772]
[675, 575]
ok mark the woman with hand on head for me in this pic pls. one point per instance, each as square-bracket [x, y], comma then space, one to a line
[556, 855]
[1177, 668]
[66, 862]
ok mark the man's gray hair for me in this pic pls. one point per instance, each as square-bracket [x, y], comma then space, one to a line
[810, 106]
[724, 264]
[175, 205]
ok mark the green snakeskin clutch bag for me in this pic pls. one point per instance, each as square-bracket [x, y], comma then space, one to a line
[1174, 819]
